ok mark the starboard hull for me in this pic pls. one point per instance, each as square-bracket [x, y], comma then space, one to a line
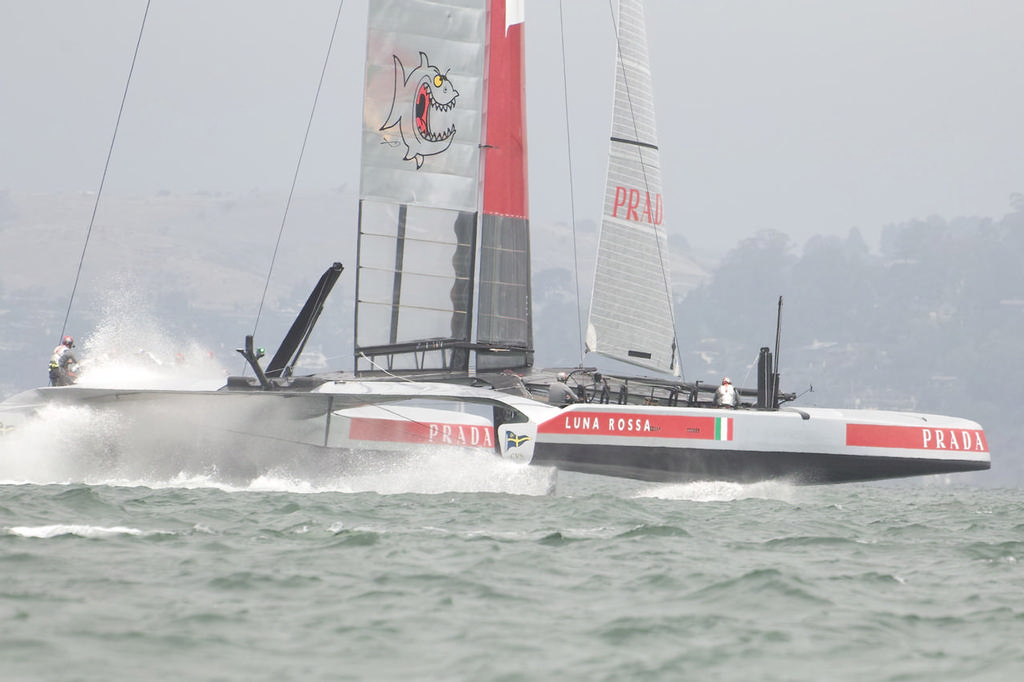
[813, 446]
[676, 465]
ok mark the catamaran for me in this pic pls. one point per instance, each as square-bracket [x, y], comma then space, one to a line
[443, 342]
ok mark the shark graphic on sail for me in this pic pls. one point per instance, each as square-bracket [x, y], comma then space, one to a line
[423, 220]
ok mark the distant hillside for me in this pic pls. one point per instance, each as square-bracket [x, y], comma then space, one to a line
[196, 265]
[932, 322]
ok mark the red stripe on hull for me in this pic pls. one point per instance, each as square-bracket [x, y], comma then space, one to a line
[915, 437]
[631, 424]
[437, 433]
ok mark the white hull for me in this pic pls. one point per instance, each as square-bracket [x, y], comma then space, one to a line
[803, 446]
[356, 426]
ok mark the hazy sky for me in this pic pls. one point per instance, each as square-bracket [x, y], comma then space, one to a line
[801, 115]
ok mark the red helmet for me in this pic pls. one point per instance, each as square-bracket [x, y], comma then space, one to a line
[68, 341]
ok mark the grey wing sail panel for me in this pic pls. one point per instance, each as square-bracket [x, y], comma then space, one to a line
[414, 288]
[505, 323]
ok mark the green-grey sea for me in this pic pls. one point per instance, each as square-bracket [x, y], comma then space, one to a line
[464, 570]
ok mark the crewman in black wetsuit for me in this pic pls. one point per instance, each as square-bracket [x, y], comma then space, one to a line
[62, 363]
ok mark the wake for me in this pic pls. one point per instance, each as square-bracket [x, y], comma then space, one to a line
[722, 491]
[77, 444]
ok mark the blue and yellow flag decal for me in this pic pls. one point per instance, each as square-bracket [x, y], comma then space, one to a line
[514, 441]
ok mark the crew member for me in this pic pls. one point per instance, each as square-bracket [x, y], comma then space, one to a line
[559, 392]
[63, 363]
[725, 395]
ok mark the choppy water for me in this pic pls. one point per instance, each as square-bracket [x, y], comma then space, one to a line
[391, 578]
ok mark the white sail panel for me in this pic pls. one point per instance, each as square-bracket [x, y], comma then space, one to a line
[631, 305]
[423, 101]
[420, 182]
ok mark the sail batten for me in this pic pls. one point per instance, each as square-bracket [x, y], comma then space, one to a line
[638, 143]
[631, 316]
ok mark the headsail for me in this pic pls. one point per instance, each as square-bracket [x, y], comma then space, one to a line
[424, 184]
[631, 306]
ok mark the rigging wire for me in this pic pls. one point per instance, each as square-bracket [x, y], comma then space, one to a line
[298, 165]
[392, 375]
[751, 368]
[643, 171]
[572, 199]
[106, 166]
[384, 370]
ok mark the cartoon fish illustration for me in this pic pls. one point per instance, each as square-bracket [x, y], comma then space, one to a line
[422, 109]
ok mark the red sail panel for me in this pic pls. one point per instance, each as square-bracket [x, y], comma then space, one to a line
[504, 318]
[505, 184]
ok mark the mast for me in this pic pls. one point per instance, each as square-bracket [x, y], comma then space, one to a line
[505, 319]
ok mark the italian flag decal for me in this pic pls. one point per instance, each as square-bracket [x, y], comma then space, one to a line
[723, 428]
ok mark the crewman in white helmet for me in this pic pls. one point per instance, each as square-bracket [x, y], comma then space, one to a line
[559, 392]
[725, 395]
